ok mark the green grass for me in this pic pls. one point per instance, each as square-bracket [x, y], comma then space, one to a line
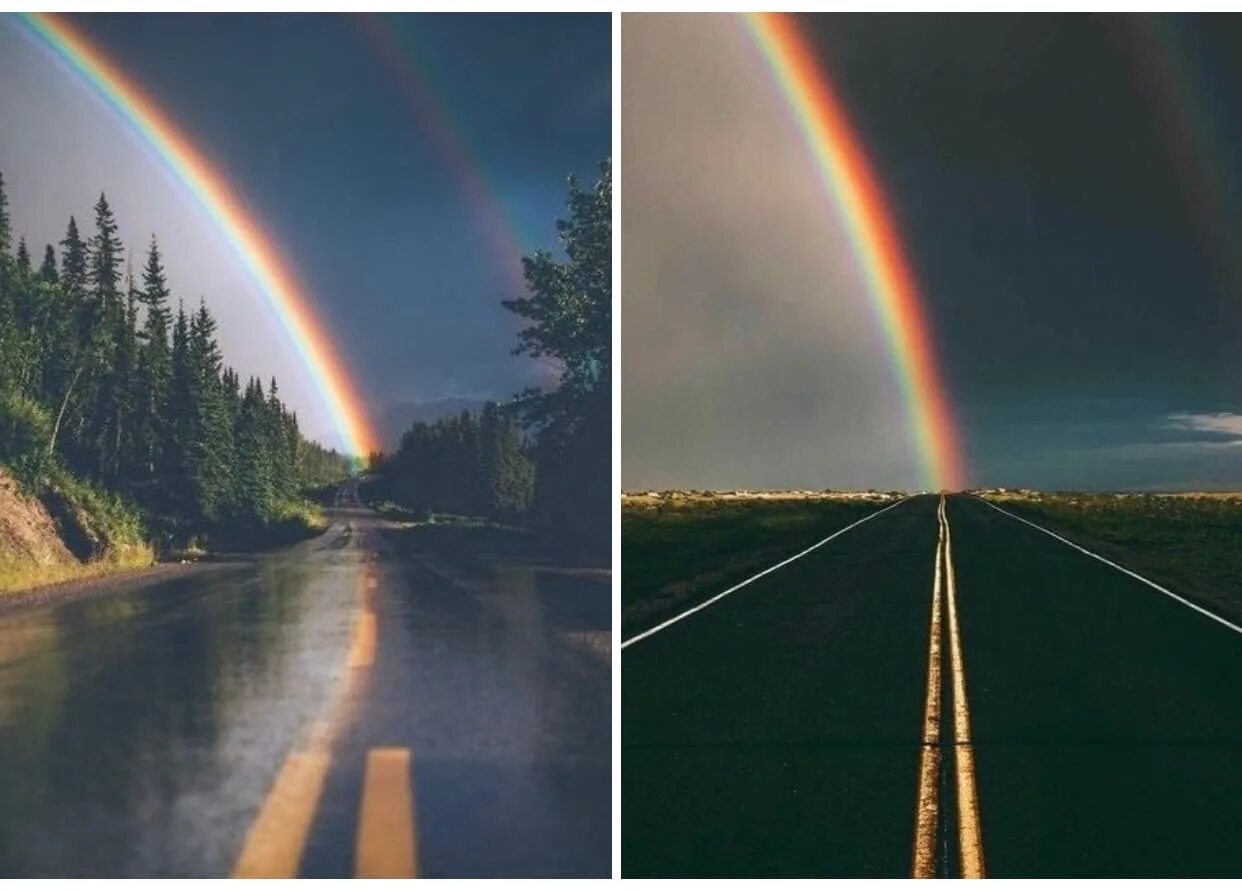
[15, 578]
[1190, 543]
[678, 550]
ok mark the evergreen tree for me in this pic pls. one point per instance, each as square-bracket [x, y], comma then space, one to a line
[103, 315]
[70, 358]
[47, 272]
[154, 370]
[73, 257]
[23, 257]
[209, 448]
[125, 459]
[90, 382]
[6, 230]
[254, 493]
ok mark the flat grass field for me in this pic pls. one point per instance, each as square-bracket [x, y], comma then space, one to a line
[679, 548]
[1191, 543]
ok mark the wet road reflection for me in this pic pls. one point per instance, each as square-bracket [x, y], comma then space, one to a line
[142, 733]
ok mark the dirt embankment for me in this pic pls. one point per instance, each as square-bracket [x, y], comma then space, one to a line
[57, 538]
[28, 534]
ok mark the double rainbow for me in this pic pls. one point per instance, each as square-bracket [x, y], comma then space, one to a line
[849, 181]
[238, 225]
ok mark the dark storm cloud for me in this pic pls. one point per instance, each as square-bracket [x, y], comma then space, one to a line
[1079, 305]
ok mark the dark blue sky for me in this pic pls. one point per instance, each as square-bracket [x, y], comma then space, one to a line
[311, 124]
[1069, 191]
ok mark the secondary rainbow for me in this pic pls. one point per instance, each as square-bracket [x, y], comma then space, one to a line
[433, 119]
[260, 257]
[847, 176]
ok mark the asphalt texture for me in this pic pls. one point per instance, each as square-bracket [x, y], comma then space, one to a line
[146, 732]
[778, 732]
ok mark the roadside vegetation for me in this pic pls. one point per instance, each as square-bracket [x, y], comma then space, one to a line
[542, 462]
[678, 548]
[121, 412]
[1191, 543]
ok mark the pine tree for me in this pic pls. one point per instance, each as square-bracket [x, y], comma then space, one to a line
[124, 471]
[154, 369]
[47, 272]
[6, 231]
[73, 264]
[23, 257]
[70, 362]
[104, 313]
[254, 493]
[104, 266]
[179, 427]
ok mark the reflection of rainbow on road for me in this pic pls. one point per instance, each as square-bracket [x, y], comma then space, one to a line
[849, 181]
[238, 225]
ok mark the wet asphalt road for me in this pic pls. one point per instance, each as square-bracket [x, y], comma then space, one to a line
[332, 710]
[780, 730]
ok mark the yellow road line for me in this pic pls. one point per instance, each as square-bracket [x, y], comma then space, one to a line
[386, 848]
[970, 834]
[273, 847]
[362, 653]
[927, 813]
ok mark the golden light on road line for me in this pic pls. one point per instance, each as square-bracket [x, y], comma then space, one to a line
[362, 653]
[928, 811]
[386, 847]
[970, 835]
[274, 845]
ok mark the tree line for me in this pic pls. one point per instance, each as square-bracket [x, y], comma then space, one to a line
[471, 464]
[556, 475]
[100, 378]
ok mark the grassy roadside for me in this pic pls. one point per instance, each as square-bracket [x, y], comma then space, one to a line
[678, 548]
[1191, 542]
[16, 578]
[72, 531]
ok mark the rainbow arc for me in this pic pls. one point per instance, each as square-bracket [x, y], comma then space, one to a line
[240, 227]
[847, 177]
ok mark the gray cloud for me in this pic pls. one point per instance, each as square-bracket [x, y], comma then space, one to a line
[1226, 426]
[750, 353]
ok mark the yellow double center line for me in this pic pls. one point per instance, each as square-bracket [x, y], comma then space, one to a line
[929, 811]
[386, 843]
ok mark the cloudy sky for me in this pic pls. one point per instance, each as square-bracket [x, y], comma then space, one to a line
[353, 142]
[1070, 194]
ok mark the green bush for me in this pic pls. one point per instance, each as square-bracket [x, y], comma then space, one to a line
[25, 428]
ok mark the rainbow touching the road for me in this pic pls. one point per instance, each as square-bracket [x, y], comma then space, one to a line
[847, 177]
[258, 254]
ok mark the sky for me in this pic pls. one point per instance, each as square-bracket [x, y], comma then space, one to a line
[401, 164]
[1069, 194]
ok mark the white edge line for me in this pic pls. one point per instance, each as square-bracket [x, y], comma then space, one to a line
[1118, 567]
[706, 603]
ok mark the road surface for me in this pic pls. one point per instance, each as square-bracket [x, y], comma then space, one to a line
[1066, 719]
[335, 709]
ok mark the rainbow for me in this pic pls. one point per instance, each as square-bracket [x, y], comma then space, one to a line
[433, 120]
[849, 181]
[240, 228]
